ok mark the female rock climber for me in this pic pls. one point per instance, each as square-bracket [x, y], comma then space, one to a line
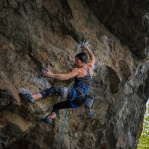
[75, 96]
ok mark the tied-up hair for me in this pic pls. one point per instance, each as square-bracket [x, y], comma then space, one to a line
[83, 57]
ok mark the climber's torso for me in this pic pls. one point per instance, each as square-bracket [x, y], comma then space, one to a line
[83, 77]
[83, 72]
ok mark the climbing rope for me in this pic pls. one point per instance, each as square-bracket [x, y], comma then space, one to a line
[62, 130]
[71, 85]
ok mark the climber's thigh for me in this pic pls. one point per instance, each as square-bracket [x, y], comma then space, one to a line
[62, 105]
[64, 92]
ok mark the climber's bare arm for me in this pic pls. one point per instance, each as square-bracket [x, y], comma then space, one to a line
[92, 58]
[68, 76]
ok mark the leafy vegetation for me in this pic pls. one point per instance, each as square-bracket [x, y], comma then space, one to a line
[144, 139]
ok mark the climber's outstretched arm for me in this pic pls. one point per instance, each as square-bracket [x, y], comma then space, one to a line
[92, 58]
[68, 76]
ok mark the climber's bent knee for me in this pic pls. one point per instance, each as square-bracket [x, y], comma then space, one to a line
[64, 92]
[48, 92]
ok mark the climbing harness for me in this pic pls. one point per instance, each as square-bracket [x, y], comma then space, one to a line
[62, 130]
[84, 88]
[75, 92]
[88, 99]
[75, 95]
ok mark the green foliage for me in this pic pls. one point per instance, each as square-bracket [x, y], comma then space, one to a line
[144, 139]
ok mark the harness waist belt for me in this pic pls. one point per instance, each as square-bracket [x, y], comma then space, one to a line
[75, 95]
[83, 87]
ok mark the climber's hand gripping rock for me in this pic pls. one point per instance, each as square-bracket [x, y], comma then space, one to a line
[47, 73]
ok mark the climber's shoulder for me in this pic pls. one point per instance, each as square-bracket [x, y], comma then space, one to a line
[91, 65]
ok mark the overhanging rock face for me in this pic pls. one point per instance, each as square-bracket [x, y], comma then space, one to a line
[34, 34]
[128, 20]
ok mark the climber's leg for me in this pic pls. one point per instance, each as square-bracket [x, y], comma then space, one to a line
[61, 105]
[64, 92]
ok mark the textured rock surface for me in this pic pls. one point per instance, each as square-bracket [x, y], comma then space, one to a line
[37, 33]
[128, 20]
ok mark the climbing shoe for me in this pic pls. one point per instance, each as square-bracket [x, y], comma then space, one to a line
[28, 97]
[46, 120]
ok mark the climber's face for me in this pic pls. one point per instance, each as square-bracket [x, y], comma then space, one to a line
[78, 62]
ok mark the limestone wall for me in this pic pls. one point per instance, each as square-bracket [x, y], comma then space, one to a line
[39, 33]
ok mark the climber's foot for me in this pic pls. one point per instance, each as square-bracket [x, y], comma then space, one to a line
[52, 116]
[46, 120]
[28, 97]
